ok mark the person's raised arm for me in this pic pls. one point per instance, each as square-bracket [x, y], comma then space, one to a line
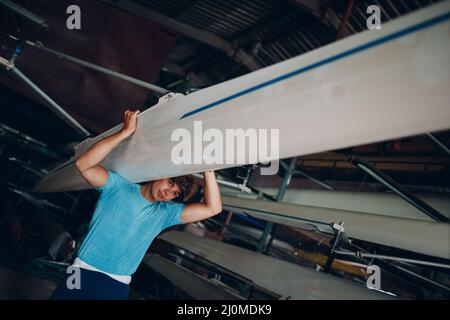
[211, 205]
[88, 163]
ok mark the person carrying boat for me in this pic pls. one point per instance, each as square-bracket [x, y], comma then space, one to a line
[127, 218]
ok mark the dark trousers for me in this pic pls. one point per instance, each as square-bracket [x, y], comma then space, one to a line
[93, 286]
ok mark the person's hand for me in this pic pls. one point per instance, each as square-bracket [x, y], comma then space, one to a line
[129, 122]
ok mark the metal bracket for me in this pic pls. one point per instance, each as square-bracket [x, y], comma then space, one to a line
[339, 231]
[6, 63]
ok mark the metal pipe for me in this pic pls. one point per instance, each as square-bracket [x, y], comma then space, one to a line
[409, 275]
[394, 268]
[24, 13]
[225, 225]
[56, 108]
[36, 201]
[323, 184]
[238, 186]
[29, 167]
[268, 229]
[379, 256]
[286, 179]
[4, 127]
[398, 189]
[6, 63]
[332, 252]
[262, 247]
[92, 66]
[439, 143]
[348, 12]
[422, 278]
[253, 189]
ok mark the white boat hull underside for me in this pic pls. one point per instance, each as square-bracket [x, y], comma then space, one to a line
[425, 237]
[380, 203]
[289, 280]
[374, 86]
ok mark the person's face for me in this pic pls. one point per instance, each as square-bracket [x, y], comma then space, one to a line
[165, 190]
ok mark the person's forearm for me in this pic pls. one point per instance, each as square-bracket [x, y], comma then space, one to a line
[212, 192]
[98, 151]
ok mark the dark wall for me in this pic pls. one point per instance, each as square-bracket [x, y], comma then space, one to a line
[108, 37]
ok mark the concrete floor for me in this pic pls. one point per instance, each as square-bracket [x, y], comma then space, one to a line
[16, 285]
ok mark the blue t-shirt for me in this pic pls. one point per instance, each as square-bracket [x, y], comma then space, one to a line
[124, 225]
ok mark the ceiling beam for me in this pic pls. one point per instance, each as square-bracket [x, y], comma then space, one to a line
[312, 6]
[180, 71]
[30, 16]
[183, 29]
[344, 22]
[327, 14]
[174, 69]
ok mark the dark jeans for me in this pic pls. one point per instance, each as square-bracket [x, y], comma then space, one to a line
[94, 286]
